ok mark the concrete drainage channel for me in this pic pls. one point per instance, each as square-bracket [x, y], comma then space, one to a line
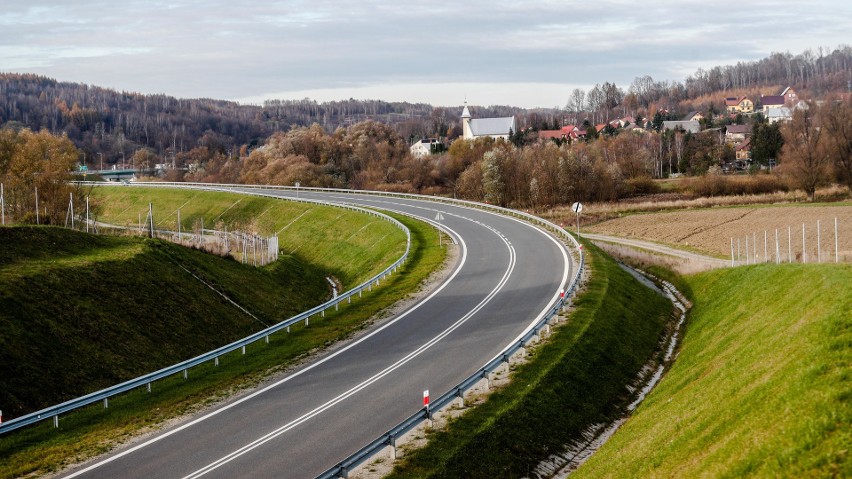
[561, 465]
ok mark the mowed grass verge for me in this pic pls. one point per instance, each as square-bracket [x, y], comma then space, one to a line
[575, 379]
[761, 387]
[40, 449]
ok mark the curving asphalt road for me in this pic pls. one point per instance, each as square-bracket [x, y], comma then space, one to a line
[507, 276]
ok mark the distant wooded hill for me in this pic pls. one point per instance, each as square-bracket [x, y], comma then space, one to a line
[110, 126]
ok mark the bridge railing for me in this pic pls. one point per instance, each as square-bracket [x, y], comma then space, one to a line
[184, 366]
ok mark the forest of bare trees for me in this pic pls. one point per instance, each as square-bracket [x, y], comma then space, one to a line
[364, 143]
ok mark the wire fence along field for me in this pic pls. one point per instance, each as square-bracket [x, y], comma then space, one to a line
[806, 233]
[784, 246]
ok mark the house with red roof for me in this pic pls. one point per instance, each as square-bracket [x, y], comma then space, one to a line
[739, 104]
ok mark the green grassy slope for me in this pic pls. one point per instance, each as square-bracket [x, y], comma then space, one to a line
[761, 387]
[332, 239]
[40, 448]
[574, 380]
[81, 312]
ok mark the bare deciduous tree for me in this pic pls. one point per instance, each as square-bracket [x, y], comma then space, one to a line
[804, 159]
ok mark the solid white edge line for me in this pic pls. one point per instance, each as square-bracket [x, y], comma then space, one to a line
[283, 380]
[364, 384]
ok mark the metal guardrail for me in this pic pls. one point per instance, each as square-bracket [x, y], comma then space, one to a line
[183, 367]
[389, 438]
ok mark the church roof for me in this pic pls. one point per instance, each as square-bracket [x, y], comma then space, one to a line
[492, 126]
[465, 112]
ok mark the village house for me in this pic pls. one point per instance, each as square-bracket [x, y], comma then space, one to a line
[771, 101]
[552, 135]
[774, 115]
[790, 96]
[573, 132]
[743, 150]
[740, 104]
[474, 128]
[737, 133]
[423, 147]
[693, 116]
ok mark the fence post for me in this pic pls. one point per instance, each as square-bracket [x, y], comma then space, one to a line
[836, 258]
[790, 244]
[819, 246]
[38, 222]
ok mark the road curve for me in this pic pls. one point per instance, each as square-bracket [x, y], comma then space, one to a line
[508, 274]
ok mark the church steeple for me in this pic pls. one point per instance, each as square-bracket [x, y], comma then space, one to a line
[467, 134]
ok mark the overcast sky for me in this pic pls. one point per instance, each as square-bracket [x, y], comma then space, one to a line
[523, 53]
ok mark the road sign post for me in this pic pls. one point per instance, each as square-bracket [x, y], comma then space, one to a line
[439, 217]
[577, 207]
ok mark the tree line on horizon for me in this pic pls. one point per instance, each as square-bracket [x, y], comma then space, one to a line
[278, 143]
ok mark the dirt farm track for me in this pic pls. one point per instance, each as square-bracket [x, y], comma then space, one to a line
[711, 230]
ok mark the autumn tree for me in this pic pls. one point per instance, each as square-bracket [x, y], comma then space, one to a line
[493, 180]
[40, 160]
[837, 122]
[804, 158]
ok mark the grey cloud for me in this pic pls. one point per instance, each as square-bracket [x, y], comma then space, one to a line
[232, 50]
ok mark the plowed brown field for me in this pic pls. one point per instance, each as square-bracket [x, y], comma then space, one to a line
[711, 230]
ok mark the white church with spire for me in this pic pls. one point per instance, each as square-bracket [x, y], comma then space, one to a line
[486, 127]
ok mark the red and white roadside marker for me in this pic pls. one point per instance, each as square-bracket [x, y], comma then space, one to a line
[426, 398]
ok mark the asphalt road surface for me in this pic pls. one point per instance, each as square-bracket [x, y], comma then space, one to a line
[507, 275]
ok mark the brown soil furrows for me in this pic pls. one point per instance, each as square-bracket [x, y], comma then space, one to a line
[717, 225]
[712, 230]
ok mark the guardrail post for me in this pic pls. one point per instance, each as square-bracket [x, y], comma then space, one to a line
[266, 338]
[244, 348]
[322, 313]
[307, 320]
[56, 422]
[288, 329]
[460, 395]
[149, 387]
[185, 374]
[216, 361]
[336, 305]
[106, 403]
[392, 442]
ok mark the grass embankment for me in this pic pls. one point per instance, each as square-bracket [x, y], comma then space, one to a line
[761, 387]
[81, 312]
[40, 448]
[332, 239]
[576, 379]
